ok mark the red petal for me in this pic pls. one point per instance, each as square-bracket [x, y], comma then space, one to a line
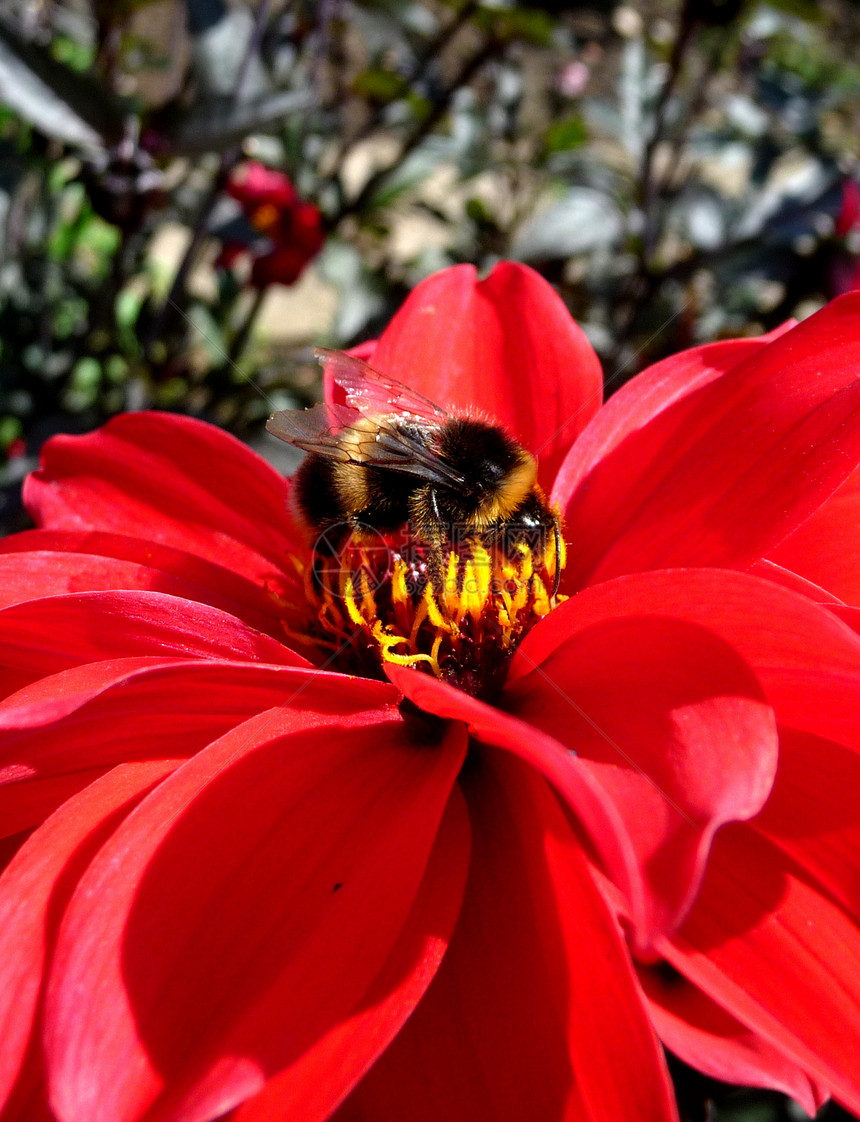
[58, 561]
[56, 632]
[535, 1008]
[505, 346]
[104, 713]
[581, 792]
[768, 570]
[175, 480]
[240, 914]
[643, 397]
[812, 813]
[35, 888]
[825, 548]
[847, 613]
[779, 957]
[709, 1039]
[26, 804]
[327, 1072]
[673, 725]
[806, 659]
[724, 473]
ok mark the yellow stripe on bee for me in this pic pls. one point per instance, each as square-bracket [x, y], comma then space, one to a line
[516, 486]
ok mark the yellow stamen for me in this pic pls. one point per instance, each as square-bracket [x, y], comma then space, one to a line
[469, 621]
[348, 595]
[387, 641]
[450, 595]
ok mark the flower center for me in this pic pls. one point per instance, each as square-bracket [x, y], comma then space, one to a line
[457, 612]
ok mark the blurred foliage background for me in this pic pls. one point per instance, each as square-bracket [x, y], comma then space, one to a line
[195, 192]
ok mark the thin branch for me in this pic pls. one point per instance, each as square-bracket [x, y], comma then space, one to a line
[425, 127]
[648, 187]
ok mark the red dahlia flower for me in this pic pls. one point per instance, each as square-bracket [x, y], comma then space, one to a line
[291, 227]
[240, 878]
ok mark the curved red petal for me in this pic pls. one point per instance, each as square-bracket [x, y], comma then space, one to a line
[241, 913]
[673, 725]
[594, 810]
[329, 1071]
[769, 570]
[825, 548]
[807, 660]
[505, 346]
[811, 814]
[105, 713]
[25, 804]
[59, 561]
[712, 1041]
[723, 474]
[56, 632]
[848, 613]
[642, 398]
[537, 980]
[35, 888]
[779, 957]
[181, 482]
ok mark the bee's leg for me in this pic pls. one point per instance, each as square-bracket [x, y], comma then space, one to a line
[427, 525]
[435, 566]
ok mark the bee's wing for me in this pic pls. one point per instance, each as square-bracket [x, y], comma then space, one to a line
[372, 392]
[386, 444]
[315, 430]
[398, 449]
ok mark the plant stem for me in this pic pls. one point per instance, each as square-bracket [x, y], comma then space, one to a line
[648, 187]
[243, 334]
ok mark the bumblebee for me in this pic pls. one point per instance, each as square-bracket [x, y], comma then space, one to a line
[390, 458]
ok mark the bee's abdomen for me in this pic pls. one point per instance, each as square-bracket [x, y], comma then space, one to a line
[328, 494]
[315, 492]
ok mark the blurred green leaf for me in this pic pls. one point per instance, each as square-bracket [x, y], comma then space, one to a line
[807, 10]
[564, 134]
[83, 389]
[532, 25]
[74, 53]
[476, 211]
[208, 331]
[379, 85]
[10, 429]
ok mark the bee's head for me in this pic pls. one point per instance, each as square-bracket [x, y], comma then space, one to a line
[498, 471]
